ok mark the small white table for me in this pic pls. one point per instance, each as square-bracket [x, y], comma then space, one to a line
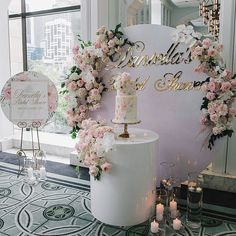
[126, 195]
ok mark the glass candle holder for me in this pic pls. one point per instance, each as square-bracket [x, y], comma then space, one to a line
[194, 201]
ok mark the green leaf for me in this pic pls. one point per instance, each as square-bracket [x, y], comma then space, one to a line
[63, 84]
[117, 28]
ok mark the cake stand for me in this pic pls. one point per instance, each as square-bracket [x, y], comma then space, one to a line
[125, 133]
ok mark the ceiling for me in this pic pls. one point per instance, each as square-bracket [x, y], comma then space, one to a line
[186, 3]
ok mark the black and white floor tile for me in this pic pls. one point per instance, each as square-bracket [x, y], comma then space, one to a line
[60, 207]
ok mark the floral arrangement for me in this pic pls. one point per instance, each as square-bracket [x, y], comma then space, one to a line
[124, 84]
[95, 140]
[219, 87]
[84, 86]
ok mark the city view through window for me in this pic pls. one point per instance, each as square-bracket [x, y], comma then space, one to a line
[48, 34]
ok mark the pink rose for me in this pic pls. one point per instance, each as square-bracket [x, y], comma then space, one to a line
[111, 43]
[206, 43]
[227, 74]
[211, 110]
[222, 109]
[89, 86]
[105, 49]
[233, 82]
[106, 167]
[7, 93]
[82, 92]
[94, 92]
[72, 86]
[97, 44]
[80, 83]
[212, 52]
[214, 118]
[212, 86]
[232, 111]
[93, 170]
[210, 96]
[198, 51]
[225, 86]
[83, 108]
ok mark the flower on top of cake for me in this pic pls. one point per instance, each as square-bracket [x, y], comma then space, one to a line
[125, 85]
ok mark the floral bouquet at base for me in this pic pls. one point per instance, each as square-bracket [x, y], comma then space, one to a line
[96, 139]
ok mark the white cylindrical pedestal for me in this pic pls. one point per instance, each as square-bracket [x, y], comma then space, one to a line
[126, 195]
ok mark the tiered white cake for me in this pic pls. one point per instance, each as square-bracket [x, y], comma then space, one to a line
[126, 100]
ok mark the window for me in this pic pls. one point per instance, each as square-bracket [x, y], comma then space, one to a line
[42, 34]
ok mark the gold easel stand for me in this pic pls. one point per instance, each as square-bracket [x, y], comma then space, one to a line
[125, 133]
[21, 153]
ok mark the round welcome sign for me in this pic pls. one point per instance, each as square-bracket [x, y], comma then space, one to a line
[29, 99]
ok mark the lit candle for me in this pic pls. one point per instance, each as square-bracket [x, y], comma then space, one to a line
[159, 217]
[42, 172]
[30, 172]
[173, 205]
[159, 209]
[177, 224]
[154, 227]
[198, 189]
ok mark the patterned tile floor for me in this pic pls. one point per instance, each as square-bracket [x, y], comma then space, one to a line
[59, 209]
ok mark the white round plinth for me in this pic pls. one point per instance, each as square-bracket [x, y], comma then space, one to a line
[126, 195]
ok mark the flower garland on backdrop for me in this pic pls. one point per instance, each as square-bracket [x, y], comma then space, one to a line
[84, 86]
[96, 139]
[219, 87]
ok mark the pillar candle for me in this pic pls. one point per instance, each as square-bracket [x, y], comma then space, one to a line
[177, 224]
[159, 208]
[154, 227]
[173, 205]
[42, 172]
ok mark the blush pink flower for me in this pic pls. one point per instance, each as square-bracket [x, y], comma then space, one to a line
[82, 92]
[105, 48]
[233, 83]
[216, 130]
[232, 111]
[94, 92]
[106, 167]
[7, 93]
[222, 109]
[97, 44]
[93, 170]
[80, 83]
[206, 43]
[72, 86]
[203, 120]
[210, 96]
[212, 86]
[198, 51]
[225, 86]
[89, 86]
[214, 118]
[83, 108]
[212, 52]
